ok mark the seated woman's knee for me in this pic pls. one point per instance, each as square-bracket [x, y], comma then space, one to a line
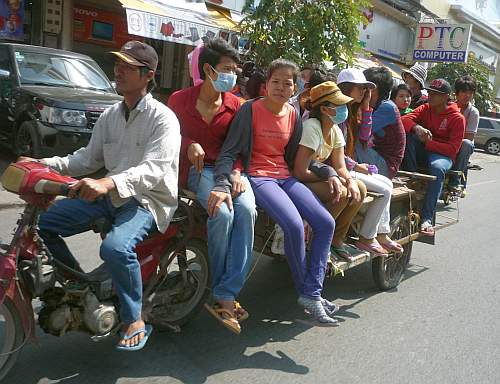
[362, 189]
[293, 227]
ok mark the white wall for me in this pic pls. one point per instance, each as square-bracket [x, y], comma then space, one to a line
[386, 37]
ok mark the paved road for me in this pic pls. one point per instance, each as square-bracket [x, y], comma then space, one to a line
[440, 326]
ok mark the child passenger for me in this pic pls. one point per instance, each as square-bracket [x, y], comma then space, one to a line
[401, 96]
[266, 133]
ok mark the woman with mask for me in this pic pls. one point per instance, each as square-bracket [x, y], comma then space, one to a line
[322, 141]
[266, 134]
[205, 112]
[374, 233]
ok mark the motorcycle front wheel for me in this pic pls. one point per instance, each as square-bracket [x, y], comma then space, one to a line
[11, 336]
[183, 292]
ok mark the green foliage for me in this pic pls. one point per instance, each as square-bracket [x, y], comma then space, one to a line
[304, 31]
[484, 99]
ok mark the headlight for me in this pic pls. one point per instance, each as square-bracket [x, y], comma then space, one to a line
[61, 116]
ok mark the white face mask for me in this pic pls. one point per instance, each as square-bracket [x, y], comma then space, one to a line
[224, 81]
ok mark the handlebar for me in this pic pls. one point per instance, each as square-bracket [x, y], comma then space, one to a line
[52, 188]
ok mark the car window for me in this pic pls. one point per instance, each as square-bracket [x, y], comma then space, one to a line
[43, 69]
[487, 124]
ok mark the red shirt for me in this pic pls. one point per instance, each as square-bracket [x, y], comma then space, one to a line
[271, 134]
[447, 128]
[196, 130]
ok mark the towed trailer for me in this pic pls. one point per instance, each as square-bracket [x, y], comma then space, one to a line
[406, 202]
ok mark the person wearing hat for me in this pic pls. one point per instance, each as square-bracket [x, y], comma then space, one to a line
[357, 128]
[415, 79]
[137, 141]
[205, 112]
[434, 135]
[374, 232]
[322, 141]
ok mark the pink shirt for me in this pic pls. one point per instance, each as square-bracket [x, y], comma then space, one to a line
[271, 134]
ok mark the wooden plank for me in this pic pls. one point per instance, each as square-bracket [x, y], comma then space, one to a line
[416, 175]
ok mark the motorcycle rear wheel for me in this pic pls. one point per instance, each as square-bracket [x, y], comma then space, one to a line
[11, 336]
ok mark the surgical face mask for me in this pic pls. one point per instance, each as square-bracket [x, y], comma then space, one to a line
[224, 81]
[341, 114]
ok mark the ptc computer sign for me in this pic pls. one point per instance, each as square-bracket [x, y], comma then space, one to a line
[442, 42]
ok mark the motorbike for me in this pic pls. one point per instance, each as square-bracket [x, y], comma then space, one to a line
[174, 270]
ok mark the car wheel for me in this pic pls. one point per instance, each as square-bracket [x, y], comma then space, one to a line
[493, 146]
[27, 140]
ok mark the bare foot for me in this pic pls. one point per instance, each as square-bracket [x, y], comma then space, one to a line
[129, 329]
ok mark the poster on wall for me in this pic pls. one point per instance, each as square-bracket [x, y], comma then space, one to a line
[442, 42]
[12, 19]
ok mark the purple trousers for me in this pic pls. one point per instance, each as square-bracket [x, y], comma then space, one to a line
[287, 201]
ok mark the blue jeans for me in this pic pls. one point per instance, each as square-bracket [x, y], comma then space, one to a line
[460, 164]
[416, 155]
[131, 224]
[230, 235]
[371, 156]
[287, 201]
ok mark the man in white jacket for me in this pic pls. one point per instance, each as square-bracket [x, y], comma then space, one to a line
[137, 141]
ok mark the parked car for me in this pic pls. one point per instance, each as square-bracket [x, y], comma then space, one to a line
[50, 99]
[488, 135]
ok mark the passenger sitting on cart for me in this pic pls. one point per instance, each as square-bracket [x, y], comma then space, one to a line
[465, 87]
[322, 141]
[387, 144]
[435, 132]
[205, 112]
[266, 133]
[401, 96]
[375, 229]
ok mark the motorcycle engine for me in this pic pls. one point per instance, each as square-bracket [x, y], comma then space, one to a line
[67, 310]
[100, 318]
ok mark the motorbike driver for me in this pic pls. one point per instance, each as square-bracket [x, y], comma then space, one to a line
[137, 141]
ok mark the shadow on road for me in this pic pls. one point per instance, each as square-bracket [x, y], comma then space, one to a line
[204, 349]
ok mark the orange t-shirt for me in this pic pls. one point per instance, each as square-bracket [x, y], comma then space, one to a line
[271, 134]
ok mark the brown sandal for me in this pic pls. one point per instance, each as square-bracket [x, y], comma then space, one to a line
[240, 312]
[225, 317]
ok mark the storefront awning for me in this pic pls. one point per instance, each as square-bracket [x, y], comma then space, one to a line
[178, 22]
[364, 62]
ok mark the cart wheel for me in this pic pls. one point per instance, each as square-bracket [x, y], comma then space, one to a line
[388, 271]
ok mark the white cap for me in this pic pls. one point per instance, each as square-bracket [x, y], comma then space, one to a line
[354, 75]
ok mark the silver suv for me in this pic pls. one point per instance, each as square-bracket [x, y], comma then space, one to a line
[488, 135]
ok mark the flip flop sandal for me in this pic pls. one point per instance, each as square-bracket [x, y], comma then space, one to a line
[374, 249]
[224, 317]
[342, 253]
[392, 246]
[241, 313]
[147, 330]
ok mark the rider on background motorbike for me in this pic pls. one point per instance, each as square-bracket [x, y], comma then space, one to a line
[138, 142]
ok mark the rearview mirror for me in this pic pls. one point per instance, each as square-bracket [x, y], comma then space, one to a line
[4, 73]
